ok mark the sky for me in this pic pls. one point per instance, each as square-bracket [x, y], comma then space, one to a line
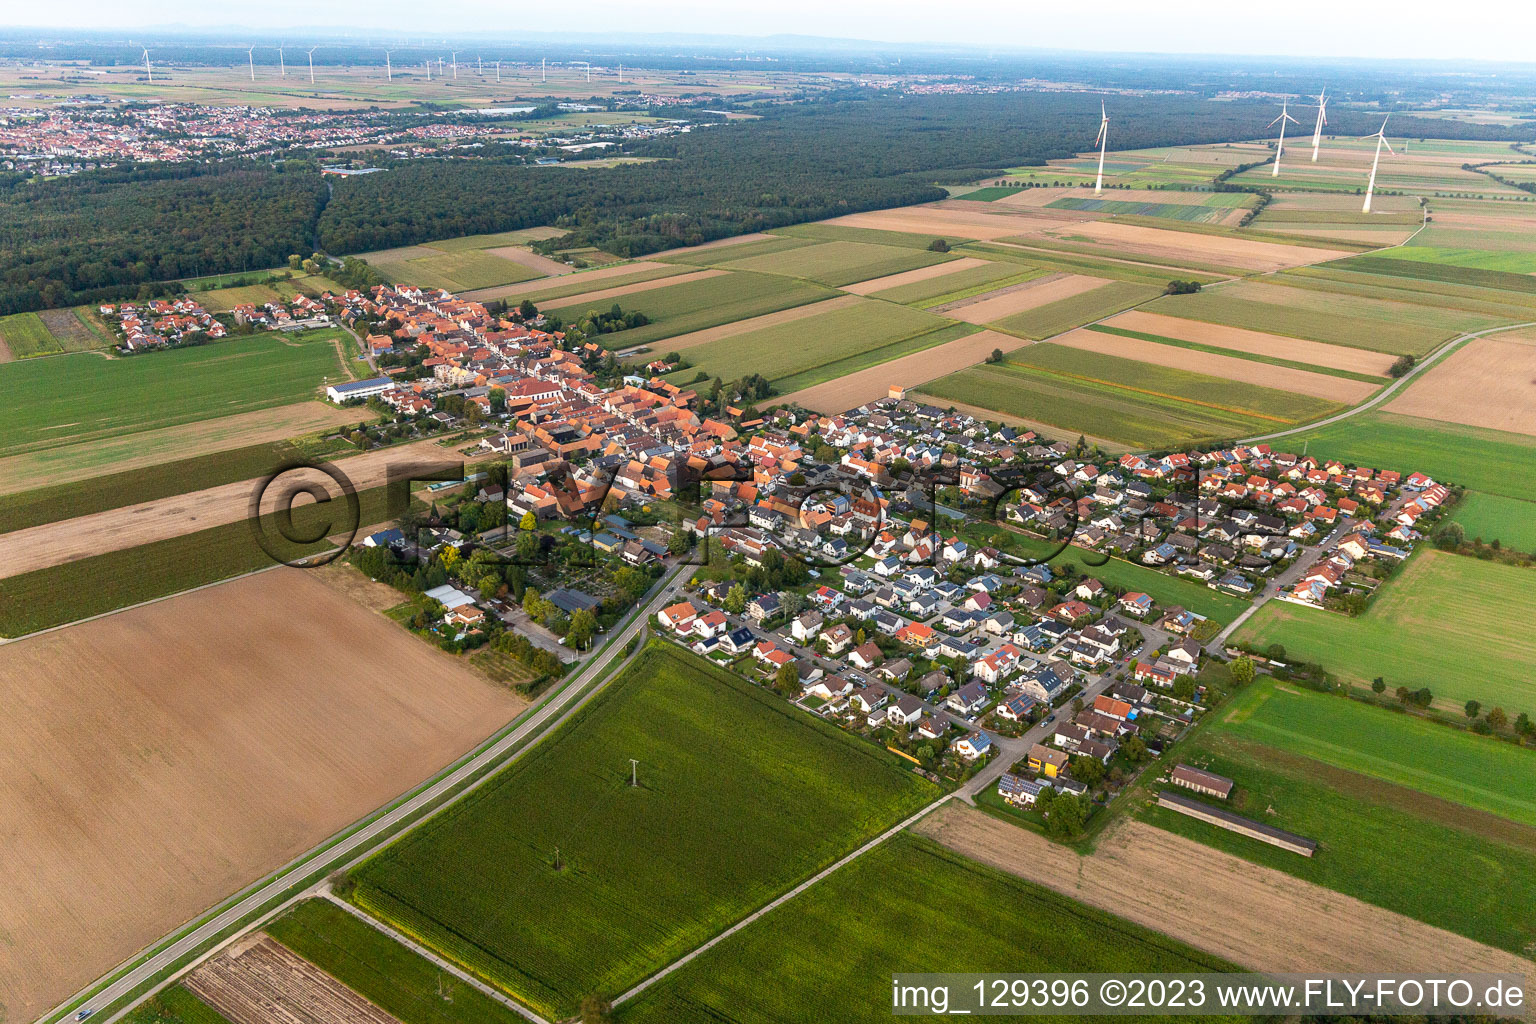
[1488, 30]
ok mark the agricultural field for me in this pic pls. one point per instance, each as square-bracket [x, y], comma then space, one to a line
[1444, 621]
[381, 970]
[1062, 315]
[458, 271]
[1146, 168]
[543, 290]
[240, 757]
[1123, 400]
[836, 263]
[954, 285]
[1219, 251]
[175, 1005]
[160, 389]
[1399, 807]
[1358, 364]
[1216, 209]
[1489, 382]
[986, 194]
[1419, 168]
[1490, 461]
[1492, 517]
[750, 248]
[867, 916]
[703, 302]
[558, 879]
[221, 294]
[50, 332]
[823, 345]
[854, 387]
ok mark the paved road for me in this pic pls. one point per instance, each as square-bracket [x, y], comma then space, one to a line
[547, 716]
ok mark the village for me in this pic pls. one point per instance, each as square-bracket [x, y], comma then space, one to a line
[912, 574]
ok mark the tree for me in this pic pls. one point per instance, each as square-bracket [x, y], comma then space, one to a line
[1498, 718]
[528, 522]
[938, 245]
[1184, 689]
[787, 679]
[996, 356]
[1275, 652]
[1473, 708]
[583, 627]
[596, 1010]
[1066, 817]
[1379, 685]
[736, 599]
[1401, 366]
[1087, 770]
[526, 310]
[1450, 537]
[1242, 671]
[295, 261]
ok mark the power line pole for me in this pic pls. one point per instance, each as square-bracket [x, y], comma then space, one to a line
[634, 776]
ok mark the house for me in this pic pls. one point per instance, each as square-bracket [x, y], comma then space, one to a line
[866, 656]
[837, 639]
[1016, 709]
[806, 626]
[764, 607]
[969, 699]
[1209, 783]
[1019, 791]
[1045, 761]
[1117, 709]
[974, 745]
[895, 670]
[905, 711]
[870, 698]
[678, 617]
[738, 641]
[1045, 683]
[1136, 604]
[918, 635]
[933, 727]
[1158, 673]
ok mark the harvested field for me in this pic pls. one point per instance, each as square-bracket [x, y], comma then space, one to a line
[258, 980]
[913, 276]
[1252, 915]
[854, 389]
[992, 306]
[1278, 346]
[720, 243]
[532, 260]
[1173, 246]
[682, 342]
[160, 759]
[928, 220]
[1488, 382]
[607, 295]
[126, 452]
[1283, 378]
[68, 540]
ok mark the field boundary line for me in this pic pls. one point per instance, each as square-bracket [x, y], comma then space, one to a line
[433, 958]
[779, 901]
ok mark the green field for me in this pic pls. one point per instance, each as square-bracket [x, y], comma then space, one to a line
[823, 232]
[1421, 270]
[1490, 517]
[457, 271]
[801, 346]
[1070, 263]
[1253, 357]
[695, 305]
[46, 407]
[1490, 461]
[1450, 623]
[1205, 212]
[740, 796]
[1058, 317]
[908, 905]
[1478, 259]
[863, 360]
[838, 263]
[25, 335]
[175, 1006]
[578, 284]
[960, 284]
[1304, 321]
[719, 254]
[1442, 296]
[988, 193]
[1382, 838]
[496, 241]
[381, 970]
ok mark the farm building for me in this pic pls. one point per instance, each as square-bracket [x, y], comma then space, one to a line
[1209, 783]
[349, 390]
[1237, 823]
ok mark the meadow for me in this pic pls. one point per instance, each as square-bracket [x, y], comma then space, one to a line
[46, 408]
[987, 194]
[1432, 296]
[558, 879]
[863, 331]
[837, 263]
[381, 970]
[1061, 316]
[1423, 270]
[1493, 517]
[695, 305]
[1381, 840]
[1444, 621]
[908, 905]
[1490, 461]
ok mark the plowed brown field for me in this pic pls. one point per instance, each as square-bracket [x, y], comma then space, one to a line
[1488, 382]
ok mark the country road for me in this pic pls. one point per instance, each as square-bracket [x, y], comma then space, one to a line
[540, 721]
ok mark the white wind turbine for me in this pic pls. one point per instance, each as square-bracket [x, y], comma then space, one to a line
[479, 66]
[147, 69]
[1103, 140]
[1322, 119]
[312, 50]
[1285, 116]
[542, 73]
[498, 71]
[1380, 136]
[282, 69]
[455, 65]
[250, 59]
[389, 71]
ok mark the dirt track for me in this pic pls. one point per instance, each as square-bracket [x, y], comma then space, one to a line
[783, 316]
[854, 389]
[160, 759]
[259, 980]
[71, 539]
[913, 276]
[1283, 378]
[993, 306]
[1335, 357]
[1254, 916]
[1489, 382]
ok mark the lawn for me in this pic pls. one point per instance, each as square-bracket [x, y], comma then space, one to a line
[46, 406]
[907, 906]
[1305, 320]
[381, 970]
[175, 1005]
[838, 263]
[740, 797]
[1063, 315]
[1490, 517]
[784, 350]
[1490, 461]
[1380, 842]
[695, 305]
[1444, 621]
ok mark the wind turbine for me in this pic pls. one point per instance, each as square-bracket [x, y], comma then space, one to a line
[389, 71]
[1322, 119]
[542, 73]
[312, 50]
[621, 74]
[1103, 140]
[479, 66]
[282, 69]
[498, 71]
[429, 69]
[1381, 140]
[1280, 146]
[147, 69]
[455, 65]
[250, 58]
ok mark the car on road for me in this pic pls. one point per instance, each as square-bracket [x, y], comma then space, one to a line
[84, 1014]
